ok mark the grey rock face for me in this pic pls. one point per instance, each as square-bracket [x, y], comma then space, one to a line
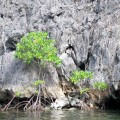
[68, 64]
[16, 76]
[73, 101]
[88, 28]
[60, 103]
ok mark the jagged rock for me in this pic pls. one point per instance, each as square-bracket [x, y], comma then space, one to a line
[75, 94]
[68, 65]
[1, 49]
[55, 10]
[75, 102]
[60, 103]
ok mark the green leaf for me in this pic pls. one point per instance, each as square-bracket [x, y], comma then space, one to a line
[38, 82]
[17, 94]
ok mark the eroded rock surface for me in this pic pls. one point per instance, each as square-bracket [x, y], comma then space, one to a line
[17, 76]
[88, 29]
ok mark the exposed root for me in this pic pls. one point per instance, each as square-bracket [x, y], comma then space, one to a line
[7, 106]
[84, 106]
[18, 105]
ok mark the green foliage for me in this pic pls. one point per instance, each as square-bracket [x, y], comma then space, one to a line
[17, 94]
[100, 85]
[36, 92]
[77, 76]
[38, 82]
[37, 46]
[84, 90]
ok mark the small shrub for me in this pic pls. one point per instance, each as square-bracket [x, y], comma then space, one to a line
[36, 92]
[100, 85]
[17, 94]
[37, 46]
[84, 90]
[77, 76]
[38, 82]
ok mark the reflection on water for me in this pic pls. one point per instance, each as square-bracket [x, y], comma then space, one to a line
[61, 115]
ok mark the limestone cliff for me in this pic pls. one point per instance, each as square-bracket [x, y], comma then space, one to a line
[87, 34]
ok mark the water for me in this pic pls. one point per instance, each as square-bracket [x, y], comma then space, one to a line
[62, 115]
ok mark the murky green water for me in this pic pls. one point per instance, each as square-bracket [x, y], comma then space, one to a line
[62, 115]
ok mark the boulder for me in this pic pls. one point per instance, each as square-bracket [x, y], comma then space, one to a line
[60, 103]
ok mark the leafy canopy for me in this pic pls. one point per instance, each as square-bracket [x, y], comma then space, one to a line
[77, 76]
[37, 46]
